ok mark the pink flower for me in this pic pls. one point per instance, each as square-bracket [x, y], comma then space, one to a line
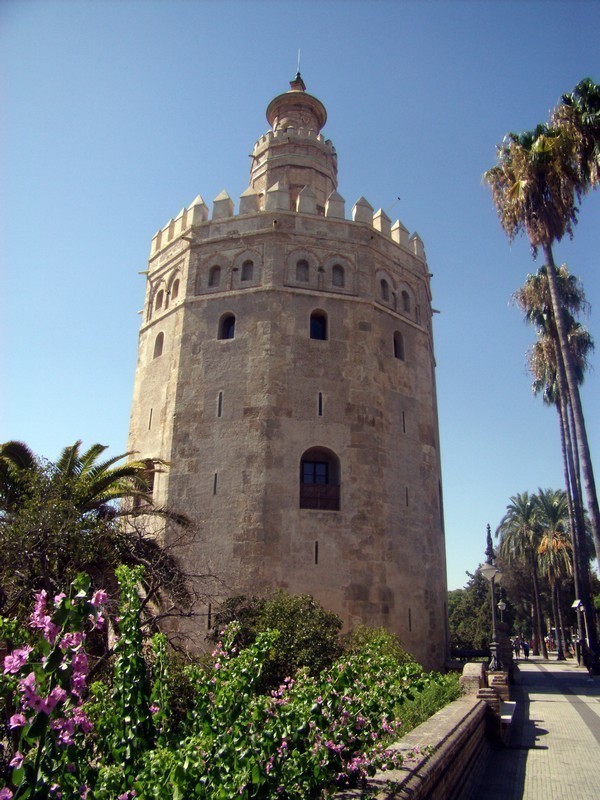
[17, 721]
[71, 641]
[15, 660]
[5, 794]
[154, 709]
[99, 598]
[17, 760]
[59, 598]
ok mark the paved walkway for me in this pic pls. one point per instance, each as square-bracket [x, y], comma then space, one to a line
[553, 748]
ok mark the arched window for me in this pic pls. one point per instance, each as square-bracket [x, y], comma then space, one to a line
[337, 275]
[158, 345]
[214, 276]
[175, 289]
[227, 327]
[158, 303]
[247, 270]
[320, 479]
[318, 325]
[302, 271]
[385, 290]
[398, 345]
[406, 301]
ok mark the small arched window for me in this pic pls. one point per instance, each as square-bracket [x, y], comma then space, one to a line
[385, 290]
[158, 345]
[158, 303]
[227, 327]
[318, 325]
[337, 275]
[214, 276]
[247, 270]
[175, 289]
[302, 271]
[406, 302]
[320, 479]
[398, 346]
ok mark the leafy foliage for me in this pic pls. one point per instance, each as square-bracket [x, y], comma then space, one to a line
[308, 634]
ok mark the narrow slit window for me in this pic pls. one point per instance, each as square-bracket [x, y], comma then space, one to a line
[159, 345]
[227, 327]
[209, 617]
[385, 290]
[337, 275]
[215, 483]
[320, 404]
[220, 405]
[407, 495]
[403, 422]
[316, 552]
[398, 346]
[318, 325]
[214, 276]
[302, 271]
[150, 420]
[247, 270]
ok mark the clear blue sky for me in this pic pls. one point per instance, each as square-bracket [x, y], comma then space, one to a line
[117, 114]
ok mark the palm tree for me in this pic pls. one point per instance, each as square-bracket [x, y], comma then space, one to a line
[519, 542]
[102, 488]
[554, 551]
[549, 379]
[578, 116]
[62, 518]
[535, 187]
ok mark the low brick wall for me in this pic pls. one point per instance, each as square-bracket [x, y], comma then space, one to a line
[456, 745]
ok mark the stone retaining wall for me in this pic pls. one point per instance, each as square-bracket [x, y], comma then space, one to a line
[452, 745]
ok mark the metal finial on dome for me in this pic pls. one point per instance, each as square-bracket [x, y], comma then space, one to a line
[298, 85]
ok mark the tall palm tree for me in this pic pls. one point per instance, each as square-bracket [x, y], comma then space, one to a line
[549, 379]
[536, 186]
[554, 550]
[519, 542]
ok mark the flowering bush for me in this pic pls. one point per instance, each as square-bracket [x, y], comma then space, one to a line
[43, 685]
[302, 740]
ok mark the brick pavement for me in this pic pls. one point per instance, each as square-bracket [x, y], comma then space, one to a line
[553, 748]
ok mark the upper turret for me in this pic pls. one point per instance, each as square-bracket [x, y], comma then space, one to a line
[294, 153]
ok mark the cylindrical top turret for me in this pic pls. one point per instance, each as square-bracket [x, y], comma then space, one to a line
[294, 154]
[296, 109]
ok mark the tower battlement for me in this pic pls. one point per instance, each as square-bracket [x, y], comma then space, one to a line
[277, 199]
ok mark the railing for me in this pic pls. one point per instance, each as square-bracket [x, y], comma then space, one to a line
[325, 497]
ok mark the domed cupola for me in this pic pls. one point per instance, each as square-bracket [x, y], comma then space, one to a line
[294, 153]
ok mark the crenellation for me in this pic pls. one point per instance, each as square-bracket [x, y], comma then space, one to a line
[418, 246]
[180, 222]
[306, 202]
[362, 211]
[223, 207]
[400, 234]
[382, 223]
[335, 207]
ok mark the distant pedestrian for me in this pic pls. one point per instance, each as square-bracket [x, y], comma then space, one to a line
[525, 646]
[517, 647]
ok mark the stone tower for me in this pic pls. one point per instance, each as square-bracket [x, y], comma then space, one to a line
[286, 371]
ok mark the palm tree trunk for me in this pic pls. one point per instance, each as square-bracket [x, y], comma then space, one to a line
[582, 440]
[560, 653]
[539, 628]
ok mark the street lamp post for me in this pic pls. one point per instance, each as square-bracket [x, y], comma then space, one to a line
[490, 572]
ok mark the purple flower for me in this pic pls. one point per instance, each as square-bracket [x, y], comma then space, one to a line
[17, 721]
[17, 760]
[154, 708]
[59, 598]
[5, 794]
[15, 660]
[99, 598]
